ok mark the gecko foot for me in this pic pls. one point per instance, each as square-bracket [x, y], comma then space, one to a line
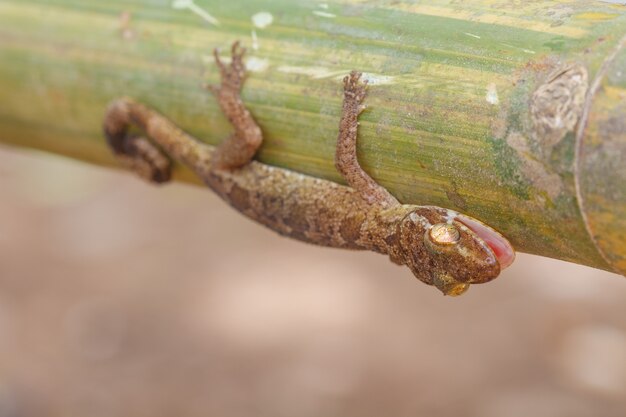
[233, 74]
[355, 91]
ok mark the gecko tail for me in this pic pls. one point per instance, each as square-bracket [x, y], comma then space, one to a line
[152, 155]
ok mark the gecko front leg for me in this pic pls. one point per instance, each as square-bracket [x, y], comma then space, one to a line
[441, 247]
[346, 160]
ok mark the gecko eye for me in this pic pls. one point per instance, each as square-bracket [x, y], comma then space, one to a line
[443, 234]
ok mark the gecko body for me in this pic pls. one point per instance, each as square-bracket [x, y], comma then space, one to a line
[441, 247]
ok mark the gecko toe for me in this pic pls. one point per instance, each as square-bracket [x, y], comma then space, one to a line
[354, 88]
[218, 60]
[232, 74]
[237, 51]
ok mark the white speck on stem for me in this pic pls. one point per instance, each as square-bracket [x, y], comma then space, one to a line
[492, 94]
[317, 73]
[621, 2]
[313, 72]
[375, 79]
[191, 6]
[255, 64]
[181, 4]
[262, 19]
[472, 35]
[255, 40]
[324, 14]
[323, 6]
[528, 51]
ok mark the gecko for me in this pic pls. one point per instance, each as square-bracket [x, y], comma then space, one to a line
[441, 247]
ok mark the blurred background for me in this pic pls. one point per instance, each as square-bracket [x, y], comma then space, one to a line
[118, 298]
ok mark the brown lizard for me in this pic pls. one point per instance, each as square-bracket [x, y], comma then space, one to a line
[441, 247]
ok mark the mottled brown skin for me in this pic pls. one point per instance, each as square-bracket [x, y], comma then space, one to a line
[361, 216]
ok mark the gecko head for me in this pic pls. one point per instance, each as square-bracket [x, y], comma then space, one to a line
[452, 251]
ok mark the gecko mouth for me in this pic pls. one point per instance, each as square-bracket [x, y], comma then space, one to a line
[501, 247]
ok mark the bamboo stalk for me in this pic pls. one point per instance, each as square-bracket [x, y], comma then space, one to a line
[512, 115]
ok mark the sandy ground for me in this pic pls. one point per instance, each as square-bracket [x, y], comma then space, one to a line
[122, 299]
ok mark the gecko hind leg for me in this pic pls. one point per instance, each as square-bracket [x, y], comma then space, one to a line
[149, 158]
[346, 160]
[240, 147]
